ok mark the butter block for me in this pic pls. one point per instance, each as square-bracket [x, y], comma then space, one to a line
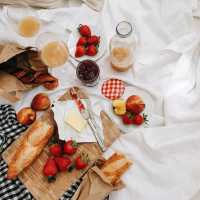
[75, 120]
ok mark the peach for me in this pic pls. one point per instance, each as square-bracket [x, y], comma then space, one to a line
[26, 116]
[135, 104]
[40, 102]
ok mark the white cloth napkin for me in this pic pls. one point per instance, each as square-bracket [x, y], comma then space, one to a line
[66, 132]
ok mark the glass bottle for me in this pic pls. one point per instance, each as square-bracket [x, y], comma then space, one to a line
[122, 47]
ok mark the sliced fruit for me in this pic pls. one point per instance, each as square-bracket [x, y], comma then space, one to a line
[119, 107]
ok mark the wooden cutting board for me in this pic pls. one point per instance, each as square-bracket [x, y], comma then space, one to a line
[34, 180]
[38, 185]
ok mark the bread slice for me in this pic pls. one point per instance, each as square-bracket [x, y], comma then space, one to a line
[35, 139]
[115, 167]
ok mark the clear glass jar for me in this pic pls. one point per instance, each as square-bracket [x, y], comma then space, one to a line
[122, 47]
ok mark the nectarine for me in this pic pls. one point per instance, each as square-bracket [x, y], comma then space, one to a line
[26, 116]
[135, 104]
[40, 102]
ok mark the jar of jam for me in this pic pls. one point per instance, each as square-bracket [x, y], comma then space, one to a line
[122, 47]
[88, 72]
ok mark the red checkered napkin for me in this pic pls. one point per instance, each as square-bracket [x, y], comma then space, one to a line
[113, 89]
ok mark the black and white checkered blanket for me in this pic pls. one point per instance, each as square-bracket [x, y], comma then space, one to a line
[10, 129]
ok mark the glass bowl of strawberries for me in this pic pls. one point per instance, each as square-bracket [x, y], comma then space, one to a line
[86, 42]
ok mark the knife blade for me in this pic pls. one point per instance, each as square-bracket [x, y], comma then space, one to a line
[86, 115]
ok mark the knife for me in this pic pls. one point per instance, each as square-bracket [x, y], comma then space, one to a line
[86, 115]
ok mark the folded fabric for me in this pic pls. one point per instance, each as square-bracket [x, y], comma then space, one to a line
[35, 3]
[94, 4]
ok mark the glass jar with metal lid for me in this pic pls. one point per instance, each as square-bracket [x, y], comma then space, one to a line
[122, 47]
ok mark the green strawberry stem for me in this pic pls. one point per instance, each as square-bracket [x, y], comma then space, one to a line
[71, 167]
[51, 179]
[145, 116]
[74, 143]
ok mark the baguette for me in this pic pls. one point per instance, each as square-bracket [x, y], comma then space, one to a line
[35, 139]
[115, 167]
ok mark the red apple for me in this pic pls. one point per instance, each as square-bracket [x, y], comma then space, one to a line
[135, 104]
[26, 116]
[40, 102]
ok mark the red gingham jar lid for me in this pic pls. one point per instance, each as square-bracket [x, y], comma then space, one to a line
[113, 89]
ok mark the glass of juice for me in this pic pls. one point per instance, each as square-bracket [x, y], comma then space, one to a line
[24, 20]
[53, 50]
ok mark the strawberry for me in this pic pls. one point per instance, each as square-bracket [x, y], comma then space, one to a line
[91, 50]
[84, 30]
[82, 41]
[127, 118]
[81, 162]
[55, 149]
[80, 51]
[50, 169]
[70, 147]
[63, 163]
[95, 40]
[139, 119]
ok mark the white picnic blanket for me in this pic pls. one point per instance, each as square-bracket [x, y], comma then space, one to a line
[166, 155]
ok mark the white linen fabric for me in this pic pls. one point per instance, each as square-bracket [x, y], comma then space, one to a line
[94, 4]
[166, 163]
[167, 66]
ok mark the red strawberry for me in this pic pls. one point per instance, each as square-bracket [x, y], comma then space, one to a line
[92, 50]
[127, 118]
[55, 149]
[80, 51]
[93, 40]
[63, 163]
[50, 169]
[81, 162]
[70, 147]
[84, 30]
[139, 119]
[82, 41]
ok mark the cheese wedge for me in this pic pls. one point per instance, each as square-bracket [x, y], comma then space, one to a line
[75, 120]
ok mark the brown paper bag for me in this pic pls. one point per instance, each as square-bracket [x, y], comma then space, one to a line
[25, 65]
[10, 87]
[95, 186]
